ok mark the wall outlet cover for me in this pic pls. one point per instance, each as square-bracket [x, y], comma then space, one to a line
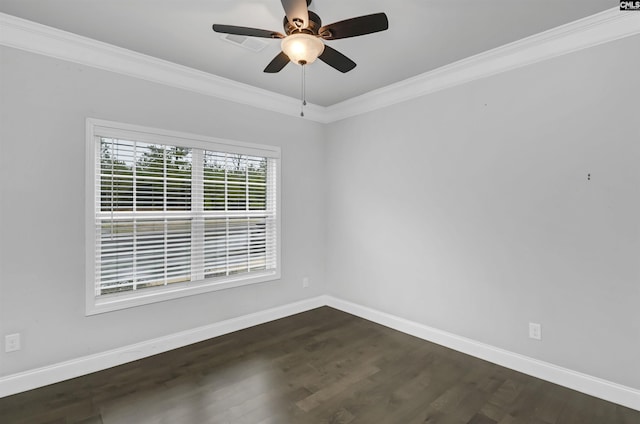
[535, 331]
[12, 342]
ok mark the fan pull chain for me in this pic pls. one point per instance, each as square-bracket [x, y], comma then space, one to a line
[303, 90]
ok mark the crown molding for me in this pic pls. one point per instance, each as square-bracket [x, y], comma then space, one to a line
[47, 41]
[600, 28]
[603, 27]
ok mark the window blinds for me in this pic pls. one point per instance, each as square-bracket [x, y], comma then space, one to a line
[169, 214]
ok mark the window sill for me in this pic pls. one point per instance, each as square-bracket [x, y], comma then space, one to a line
[114, 302]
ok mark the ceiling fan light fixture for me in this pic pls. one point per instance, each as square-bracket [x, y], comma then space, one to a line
[302, 48]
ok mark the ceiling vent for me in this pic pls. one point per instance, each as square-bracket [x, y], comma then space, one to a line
[250, 43]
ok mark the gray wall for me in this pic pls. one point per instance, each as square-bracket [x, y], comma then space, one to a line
[43, 106]
[469, 210]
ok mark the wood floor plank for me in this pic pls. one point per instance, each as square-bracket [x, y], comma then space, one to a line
[323, 366]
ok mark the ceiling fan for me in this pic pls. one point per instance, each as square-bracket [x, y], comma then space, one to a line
[305, 35]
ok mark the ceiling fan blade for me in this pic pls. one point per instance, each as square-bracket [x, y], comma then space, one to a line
[277, 64]
[337, 60]
[355, 26]
[297, 12]
[249, 32]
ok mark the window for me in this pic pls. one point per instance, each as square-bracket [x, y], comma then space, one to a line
[171, 215]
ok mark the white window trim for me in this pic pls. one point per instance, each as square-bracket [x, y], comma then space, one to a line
[113, 302]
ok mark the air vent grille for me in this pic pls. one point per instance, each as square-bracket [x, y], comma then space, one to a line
[253, 44]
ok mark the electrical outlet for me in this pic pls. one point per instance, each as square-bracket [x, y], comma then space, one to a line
[305, 282]
[535, 331]
[12, 342]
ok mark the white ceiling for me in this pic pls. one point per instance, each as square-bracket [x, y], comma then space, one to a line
[423, 35]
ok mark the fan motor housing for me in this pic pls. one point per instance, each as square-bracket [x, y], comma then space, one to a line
[314, 25]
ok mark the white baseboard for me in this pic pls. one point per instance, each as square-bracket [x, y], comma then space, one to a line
[584, 383]
[55, 373]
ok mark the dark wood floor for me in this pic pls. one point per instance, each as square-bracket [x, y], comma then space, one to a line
[322, 366]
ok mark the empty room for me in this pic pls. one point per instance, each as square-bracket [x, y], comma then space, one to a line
[296, 211]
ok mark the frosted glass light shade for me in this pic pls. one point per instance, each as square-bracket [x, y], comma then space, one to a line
[302, 48]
